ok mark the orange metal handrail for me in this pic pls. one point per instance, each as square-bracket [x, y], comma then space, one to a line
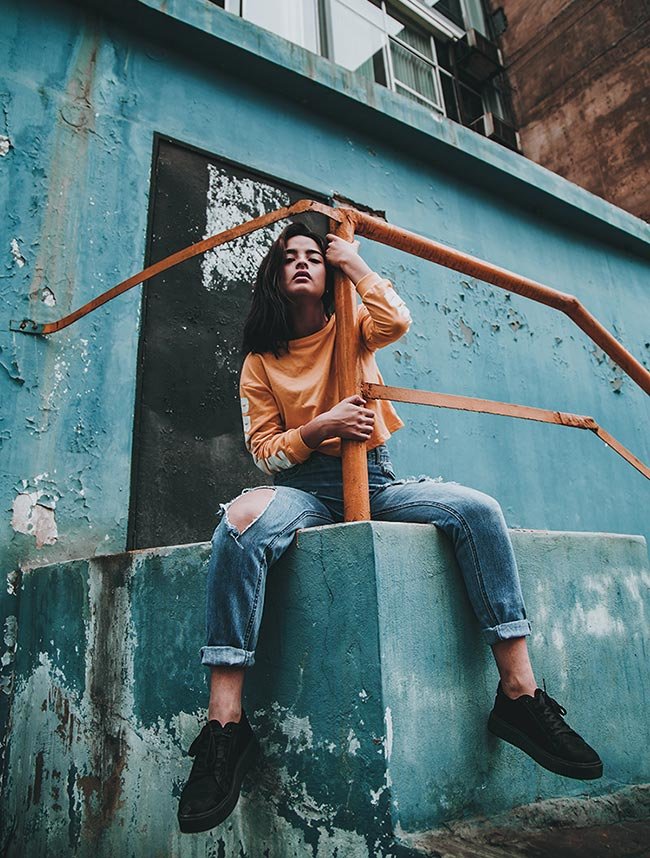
[507, 409]
[356, 496]
[27, 326]
[426, 248]
[347, 222]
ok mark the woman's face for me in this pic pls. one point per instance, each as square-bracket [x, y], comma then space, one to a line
[303, 272]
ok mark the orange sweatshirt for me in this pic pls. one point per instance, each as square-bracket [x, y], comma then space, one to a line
[279, 395]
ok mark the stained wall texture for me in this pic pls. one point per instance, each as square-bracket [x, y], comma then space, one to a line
[369, 694]
[86, 88]
[580, 79]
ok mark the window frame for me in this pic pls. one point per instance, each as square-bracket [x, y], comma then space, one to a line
[432, 62]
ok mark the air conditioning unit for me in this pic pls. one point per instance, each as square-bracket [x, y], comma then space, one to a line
[477, 56]
[496, 129]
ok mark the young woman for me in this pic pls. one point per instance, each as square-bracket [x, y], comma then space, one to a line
[293, 426]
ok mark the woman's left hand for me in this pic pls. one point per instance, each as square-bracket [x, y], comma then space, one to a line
[345, 255]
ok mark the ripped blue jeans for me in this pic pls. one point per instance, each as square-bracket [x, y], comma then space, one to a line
[310, 494]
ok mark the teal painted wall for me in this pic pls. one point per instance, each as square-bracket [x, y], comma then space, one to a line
[82, 97]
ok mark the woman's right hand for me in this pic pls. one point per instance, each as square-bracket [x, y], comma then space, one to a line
[348, 419]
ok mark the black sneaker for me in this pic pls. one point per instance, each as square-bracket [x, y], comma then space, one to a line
[222, 756]
[535, 724]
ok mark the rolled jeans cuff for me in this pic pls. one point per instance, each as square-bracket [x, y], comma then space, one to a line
[506, 631]
[226, 656]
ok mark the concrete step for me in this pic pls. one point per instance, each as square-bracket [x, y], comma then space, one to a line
[370, 696]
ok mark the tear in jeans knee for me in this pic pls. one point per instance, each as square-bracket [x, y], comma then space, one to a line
[232, 529]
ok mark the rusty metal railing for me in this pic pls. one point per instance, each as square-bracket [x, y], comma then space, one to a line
[348, 222]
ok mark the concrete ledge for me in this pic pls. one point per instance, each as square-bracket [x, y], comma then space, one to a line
[370, 695]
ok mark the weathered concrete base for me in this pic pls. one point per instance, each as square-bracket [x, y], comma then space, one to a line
[547, 824]
[370, 696]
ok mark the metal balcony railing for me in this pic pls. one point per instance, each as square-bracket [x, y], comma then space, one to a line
[348, 222]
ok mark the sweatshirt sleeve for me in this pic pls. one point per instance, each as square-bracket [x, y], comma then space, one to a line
[272, 447]
[384, 317]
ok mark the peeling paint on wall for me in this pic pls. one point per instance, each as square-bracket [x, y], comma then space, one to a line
[10, 640]
[10, 365]
[609, 370]
[19, 259]
[375, 795]
[353, 743]
[34, 509]
[232, 201]
[467, 333]
[47, 296]
[13, 579]
[5, 145]
[34, 518]
[388, 744]
[297, 730]
[83, 760]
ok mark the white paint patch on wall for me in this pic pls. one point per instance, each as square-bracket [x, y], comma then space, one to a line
[60, 386]
[48, 297]
[34, 518]
[638, 586]
[5, 145]
[597, 622]
[297, 730]
[557, 639]
[336, 842]
[597, 585]
[353, 743]
[232, 201]
[388, 743]
[10, 639]
[19, 259]
[375, 795]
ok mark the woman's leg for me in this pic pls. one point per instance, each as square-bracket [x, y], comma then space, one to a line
[523, 714]
[475, 524]
[515, 669]
[256, 529]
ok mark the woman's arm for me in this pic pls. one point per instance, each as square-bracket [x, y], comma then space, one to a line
[272, 447]
[384, 317]
[349, 419]
[275, 449]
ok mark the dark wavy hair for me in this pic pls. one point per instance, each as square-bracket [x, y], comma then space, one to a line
[268, 325]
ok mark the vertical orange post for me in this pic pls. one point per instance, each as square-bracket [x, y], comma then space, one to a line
[356, 496]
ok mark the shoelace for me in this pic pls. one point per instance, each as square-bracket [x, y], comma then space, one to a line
[553, 713]
[212, 753]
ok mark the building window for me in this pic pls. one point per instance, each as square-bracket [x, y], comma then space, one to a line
[376, 41]
[358, 38]
[297, 21]
[414, 64]
[434, 52]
